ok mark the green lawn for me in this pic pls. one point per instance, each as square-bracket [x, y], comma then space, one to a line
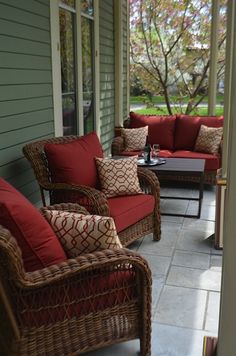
[160, 100]
[163, 111]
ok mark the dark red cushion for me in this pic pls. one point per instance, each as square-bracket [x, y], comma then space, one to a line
[160, 128]
[163, 153]
[38, 243]
[128, 210]
[212, 161]
[74, 162]
[187, 128]
[166, 153]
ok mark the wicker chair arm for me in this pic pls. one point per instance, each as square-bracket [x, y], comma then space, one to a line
[117, 146]
[150, 185]
[149, 181]
[96, 198]
[71, 207]
[89, 262]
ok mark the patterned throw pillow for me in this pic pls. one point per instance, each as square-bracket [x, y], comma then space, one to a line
[208, 140]
[135, 139]
[118, 177]
[80, 234]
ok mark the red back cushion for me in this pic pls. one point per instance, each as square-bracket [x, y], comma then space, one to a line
[187, 128]
[36, 239]
[74, 162]
[160, 128]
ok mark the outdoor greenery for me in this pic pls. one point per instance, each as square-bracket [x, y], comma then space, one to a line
[163, 111]
[170, 51]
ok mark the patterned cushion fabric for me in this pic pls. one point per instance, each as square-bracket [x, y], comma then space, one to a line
[208, 139]
[38, 243]
[135, 139]
[118, 177]
[73, 162]
[187, 129]
[79, 234]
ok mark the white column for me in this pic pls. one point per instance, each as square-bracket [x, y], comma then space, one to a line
[118, 63]
[212, 91]
[227, 338]
[228, 82]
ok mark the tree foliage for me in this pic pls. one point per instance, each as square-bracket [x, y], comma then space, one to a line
[170, 47]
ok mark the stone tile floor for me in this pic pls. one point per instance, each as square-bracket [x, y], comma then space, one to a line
[186, 272]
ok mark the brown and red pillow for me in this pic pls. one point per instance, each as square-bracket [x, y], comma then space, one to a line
[79, 234]
[118, 177]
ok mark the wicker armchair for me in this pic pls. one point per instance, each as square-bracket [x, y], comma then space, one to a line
[93, 199]
[68, 308]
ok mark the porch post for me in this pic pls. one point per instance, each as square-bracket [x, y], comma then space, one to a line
[118, 64]
[213, 58]
[227, 339]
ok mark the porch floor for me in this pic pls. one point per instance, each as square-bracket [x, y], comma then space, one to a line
[186, 272]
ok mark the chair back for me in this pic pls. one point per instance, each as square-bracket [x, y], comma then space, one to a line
[12, 273]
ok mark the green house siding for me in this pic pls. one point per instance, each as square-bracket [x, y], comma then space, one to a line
[125, 57]
[26, 103]
[107, 72]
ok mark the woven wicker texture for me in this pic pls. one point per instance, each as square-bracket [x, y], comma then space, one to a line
[92, 199]
[80, 305]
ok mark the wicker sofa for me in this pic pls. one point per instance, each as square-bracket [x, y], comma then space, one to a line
[176, 135]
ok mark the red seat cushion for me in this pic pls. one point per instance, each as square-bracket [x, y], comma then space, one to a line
[74, 162]
[38, 243]
[128, 210]
[212, 161]
[160, 128]
[165, 153]
[187, 128]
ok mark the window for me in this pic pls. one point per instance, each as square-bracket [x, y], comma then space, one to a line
[76, 22]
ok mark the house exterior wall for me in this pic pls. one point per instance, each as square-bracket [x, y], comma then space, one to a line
[107, 72]
[26, 103]
[26, 90]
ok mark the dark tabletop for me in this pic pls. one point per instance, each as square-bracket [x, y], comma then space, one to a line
[183, 165]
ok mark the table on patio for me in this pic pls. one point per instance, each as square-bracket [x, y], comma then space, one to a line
[184, 167]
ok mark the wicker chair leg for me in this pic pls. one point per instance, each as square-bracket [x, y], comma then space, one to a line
[157, 228]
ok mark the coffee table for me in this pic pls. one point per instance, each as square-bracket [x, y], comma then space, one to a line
[184, 167]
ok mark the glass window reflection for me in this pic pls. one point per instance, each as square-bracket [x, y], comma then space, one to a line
[88, 69]
[87, 7]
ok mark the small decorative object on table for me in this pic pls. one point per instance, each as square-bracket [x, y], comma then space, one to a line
[147, 152]
[155, 150]
[152, 162]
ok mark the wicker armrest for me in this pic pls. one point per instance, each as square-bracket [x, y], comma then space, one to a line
[149, 181]
[88, 262]
[117, 146]
[150, 185]
[71, 207]
[94, 198]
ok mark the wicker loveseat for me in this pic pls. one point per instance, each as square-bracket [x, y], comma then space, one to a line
[135, 216]
[72, 306]
[176, 135]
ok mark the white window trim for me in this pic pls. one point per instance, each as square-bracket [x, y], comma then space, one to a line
[118, 63]
[56, 69]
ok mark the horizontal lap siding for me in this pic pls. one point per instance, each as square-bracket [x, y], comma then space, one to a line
[125, 58]
[26, 103]
[107, 72]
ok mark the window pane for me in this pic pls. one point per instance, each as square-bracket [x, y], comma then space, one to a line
[67, 45]
[70, 3]
[67, 51]
[69, 114]
[87, 7]
[88, 68]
